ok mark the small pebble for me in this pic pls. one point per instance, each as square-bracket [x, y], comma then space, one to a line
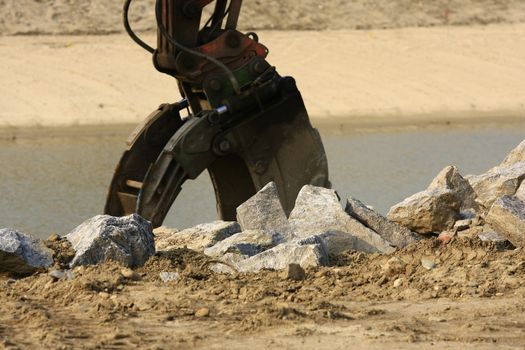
[398, 282]
[103, 295]
[428, 262]
[57, 274]
[294, 272]
[130, 274]
[202, 312]
[169, 276]
[461, 225]
[61, 274]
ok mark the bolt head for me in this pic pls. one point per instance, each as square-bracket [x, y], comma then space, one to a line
[224, 146]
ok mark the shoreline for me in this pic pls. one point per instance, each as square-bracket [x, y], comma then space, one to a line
[449, 121]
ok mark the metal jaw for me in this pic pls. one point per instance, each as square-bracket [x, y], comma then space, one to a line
[242, 153]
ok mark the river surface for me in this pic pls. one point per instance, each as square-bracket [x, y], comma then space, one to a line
[50, 185]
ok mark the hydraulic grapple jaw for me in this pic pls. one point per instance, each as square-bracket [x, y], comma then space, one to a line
[248, 126]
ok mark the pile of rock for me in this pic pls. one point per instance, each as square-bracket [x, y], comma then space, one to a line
[128, 240]
[317, 229]
[490, 206]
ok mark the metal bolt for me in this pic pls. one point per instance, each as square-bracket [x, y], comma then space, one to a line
[259, 67]
[224, 146]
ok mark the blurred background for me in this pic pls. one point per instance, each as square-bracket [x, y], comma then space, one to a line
[399, 89]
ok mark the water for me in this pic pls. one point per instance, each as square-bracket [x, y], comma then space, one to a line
[52, 185]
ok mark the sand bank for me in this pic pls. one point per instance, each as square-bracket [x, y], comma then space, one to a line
[411, 76]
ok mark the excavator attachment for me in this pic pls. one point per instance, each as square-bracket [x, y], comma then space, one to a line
[247, 125]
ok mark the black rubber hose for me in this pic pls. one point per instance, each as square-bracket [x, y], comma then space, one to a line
[130, 31]
[180, 47]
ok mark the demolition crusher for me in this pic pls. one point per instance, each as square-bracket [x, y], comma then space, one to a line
[238, 119]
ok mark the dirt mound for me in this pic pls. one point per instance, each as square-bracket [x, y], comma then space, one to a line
[241, 303]
[102, 17]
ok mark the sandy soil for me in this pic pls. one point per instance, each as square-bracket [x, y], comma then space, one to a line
[472, 299]
[102, 17]
[386, 77]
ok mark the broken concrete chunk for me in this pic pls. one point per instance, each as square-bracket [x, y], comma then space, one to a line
[450, 178]
[317, 211]
[21, 254]
[434, 210]
[196, 238]
[337, 242]
[507, 217]
[491, 236]
[127, 240]
[229, 264]
[497, 182]
[437, 208]
[247, 243]
[396, 234]
[500, 242]
[283, 255]
[263, 212]
[461, 225]
[515, 156]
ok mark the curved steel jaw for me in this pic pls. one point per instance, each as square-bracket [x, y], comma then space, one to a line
[242, 153]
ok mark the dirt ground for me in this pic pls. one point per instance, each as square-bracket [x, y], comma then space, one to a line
[473, 298]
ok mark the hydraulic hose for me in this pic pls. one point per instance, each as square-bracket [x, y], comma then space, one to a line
[130, 31]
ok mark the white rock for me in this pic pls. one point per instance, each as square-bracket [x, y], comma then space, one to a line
[428, 262]
[507, 217]
[317, 211]
[247, 243]
[491, 236]
[437, 208]
[21, 253]
[263, 212]
[398, 235]
[434, 210]
[461, 225]
[497, 182]
[517, 155]
[282, 256]
[127, 240]
[169, 276]
[450, 178]
[196, 238]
